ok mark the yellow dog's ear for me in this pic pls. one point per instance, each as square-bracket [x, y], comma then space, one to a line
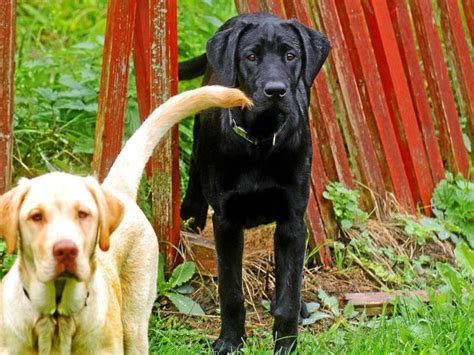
[10, 203]
[111, 212]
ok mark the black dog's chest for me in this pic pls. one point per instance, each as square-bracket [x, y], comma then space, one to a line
[252, 208]
[255, 198]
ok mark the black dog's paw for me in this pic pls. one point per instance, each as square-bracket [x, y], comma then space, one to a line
[285, 346]
[224, 345]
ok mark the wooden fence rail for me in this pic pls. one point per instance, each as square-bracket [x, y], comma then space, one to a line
[385, 111]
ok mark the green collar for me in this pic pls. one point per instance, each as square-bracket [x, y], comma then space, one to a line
[241, 132]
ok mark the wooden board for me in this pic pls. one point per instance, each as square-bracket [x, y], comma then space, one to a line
[439, 87]
[468, 6]
[113, 84]
[460, 58]
[373, 303]
[400, 19]
[7, 67]
[202, 251]
[357, 133]
[400, 104]
[398, 173]
[164, 84]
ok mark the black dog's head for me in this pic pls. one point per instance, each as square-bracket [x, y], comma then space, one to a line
[268, 58]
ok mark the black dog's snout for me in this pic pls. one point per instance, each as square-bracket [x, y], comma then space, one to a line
[275, 89]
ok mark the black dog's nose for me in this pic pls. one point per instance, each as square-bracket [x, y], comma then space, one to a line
[275, 89]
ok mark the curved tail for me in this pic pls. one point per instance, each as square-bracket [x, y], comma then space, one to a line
[192, 68]
[124, 175]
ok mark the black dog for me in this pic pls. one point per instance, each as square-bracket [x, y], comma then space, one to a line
[253, 166]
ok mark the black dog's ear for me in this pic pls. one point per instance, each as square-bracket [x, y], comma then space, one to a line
[221, 53]
[316, 50]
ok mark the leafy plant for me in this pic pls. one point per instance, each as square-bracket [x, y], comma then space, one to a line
[6, 261]
[345, 206]
[453, 205]
[421, 230]
[175, 290]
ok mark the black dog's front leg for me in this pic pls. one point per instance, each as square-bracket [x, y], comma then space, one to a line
[290, 239]
[229, 248]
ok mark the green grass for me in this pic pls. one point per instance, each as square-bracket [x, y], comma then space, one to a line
[441, 328]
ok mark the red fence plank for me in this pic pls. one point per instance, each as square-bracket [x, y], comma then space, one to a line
[400, 103]
[318, 240]
[328, 133]
[458, 53]
[273, 6]
[468, 6]
[142, 58]
[439, 86]
[357, 135]
[400, 19]
[375, 105]
[7, 55]
[244, 6]
[328, 136]
[113, 84]
[319, 181]
[163, 84]
[142, 65]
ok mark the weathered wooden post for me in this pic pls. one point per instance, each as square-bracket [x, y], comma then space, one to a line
[151, 27]
[7, 66]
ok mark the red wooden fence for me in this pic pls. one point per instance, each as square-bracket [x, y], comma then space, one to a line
[378, 116]
[370, 106]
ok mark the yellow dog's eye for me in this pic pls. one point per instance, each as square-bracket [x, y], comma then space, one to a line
[252, 57]
[37, 217]
[82, 214]
[290, 56]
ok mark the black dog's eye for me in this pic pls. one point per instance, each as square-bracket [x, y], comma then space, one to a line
[252, 57]
[290, 56]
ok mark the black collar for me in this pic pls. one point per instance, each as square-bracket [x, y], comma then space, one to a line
[241, 132]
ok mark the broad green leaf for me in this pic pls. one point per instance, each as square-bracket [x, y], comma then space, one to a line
[185, 289]
[47, 93]
[349, 311]
[314, 317]
[182, 273]
[185, 304]
[465, 257]
[451, 277]
[312, 306]
[329, 301]
[346, 224]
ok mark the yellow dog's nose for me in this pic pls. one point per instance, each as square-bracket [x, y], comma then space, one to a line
[65, 251]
